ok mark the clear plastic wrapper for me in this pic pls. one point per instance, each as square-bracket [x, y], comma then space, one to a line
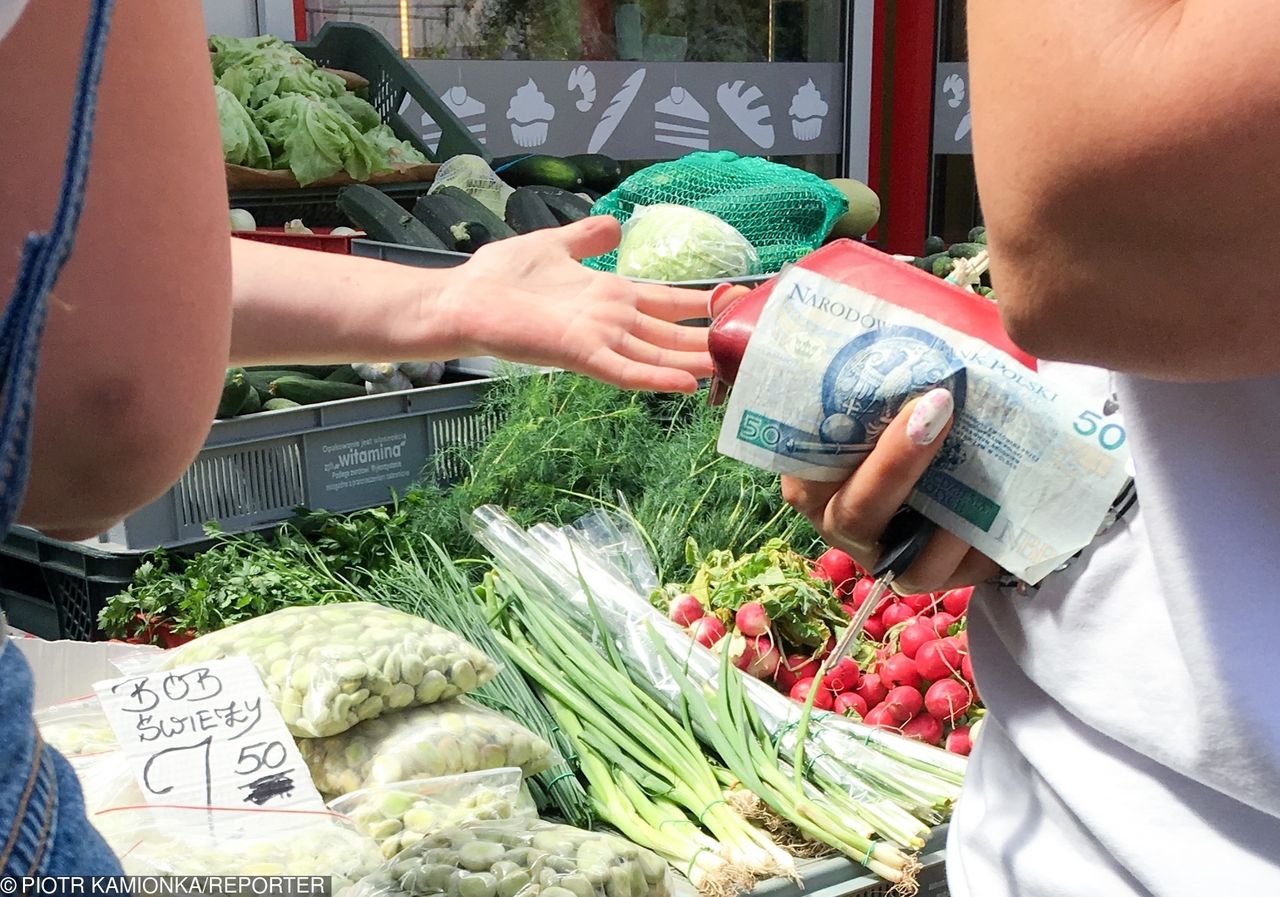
[897, 780]
[443, 739]
[401, 814]
[520, 859]
[107, 781]
[161, 840]
[329, 667]
[473, 176]
[77, 728]
[675, 243]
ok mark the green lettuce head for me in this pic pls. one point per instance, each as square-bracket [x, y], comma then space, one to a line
[242, 143]
[674, 243]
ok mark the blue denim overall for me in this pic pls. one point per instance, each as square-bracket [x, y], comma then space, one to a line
[43, 830]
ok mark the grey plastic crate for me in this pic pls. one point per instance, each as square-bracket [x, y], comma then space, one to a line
[257, 470]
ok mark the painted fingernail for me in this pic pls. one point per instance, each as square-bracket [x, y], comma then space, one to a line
[932, 411]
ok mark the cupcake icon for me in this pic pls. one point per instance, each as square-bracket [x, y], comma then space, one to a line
[530, 115]
[808, 111]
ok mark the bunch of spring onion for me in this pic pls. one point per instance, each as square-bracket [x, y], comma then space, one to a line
[648, 775]
[431, 585]
[886, 785]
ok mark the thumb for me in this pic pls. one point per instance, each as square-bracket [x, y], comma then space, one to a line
[590, 236]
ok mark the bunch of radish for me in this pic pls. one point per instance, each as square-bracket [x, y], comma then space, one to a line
[915, 676]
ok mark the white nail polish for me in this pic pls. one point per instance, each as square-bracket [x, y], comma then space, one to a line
[930, 415]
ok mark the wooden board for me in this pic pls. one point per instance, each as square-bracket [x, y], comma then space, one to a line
[241, 178]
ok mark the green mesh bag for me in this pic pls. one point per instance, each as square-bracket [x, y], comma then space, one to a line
[786, 213]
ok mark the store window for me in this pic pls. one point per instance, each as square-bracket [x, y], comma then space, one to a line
[955, 208]
[639, 81]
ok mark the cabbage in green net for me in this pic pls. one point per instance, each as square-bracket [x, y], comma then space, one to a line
[675, 244]
[785, 213]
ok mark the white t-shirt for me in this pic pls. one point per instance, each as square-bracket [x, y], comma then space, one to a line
[9, 12]
[1133, 745]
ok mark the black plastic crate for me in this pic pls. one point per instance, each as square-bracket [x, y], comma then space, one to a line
[55, 589]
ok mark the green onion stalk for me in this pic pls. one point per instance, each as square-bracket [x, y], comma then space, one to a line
[744, 747]
[622, 724]
[431, 585]
[896, 785]
[652, 821]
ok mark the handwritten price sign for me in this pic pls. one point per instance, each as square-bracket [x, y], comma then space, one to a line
[208, 735]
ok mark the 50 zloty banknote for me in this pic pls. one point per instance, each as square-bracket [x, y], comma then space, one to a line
[1026, 474]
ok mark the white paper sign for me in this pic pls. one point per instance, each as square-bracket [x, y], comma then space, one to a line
[207, 735]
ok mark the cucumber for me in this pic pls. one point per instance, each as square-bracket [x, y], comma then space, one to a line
[925, 263]
[567, 207]
[310, 392]
[525, 171]
[262, 380]
[437, 215]
[965, 250]
[345, 374]
[976, 235]
[279, 404]
[599, 172]
[252, 403]
[476, 211]
[235, 391]
[526, 212]
[934, 244]
[382, 218]
[460, 221]
[319, 371]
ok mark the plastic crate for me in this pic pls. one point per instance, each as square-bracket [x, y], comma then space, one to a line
[321, 242]
[55, 589]
[362, 50]
[257, 470]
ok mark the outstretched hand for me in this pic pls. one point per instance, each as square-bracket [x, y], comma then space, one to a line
[529, 300]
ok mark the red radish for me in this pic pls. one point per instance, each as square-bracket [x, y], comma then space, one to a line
[938, 659]
[946, 699]
[925, 727]
[966, 670]
[956, 601]
[903, 702]
[839, 568]
[800, 692]
[707, 630]
[900, 670]
[959, 742]
[849, 701]
[874, 629]
[896, 614]
[941, 623]
[918, 603]
[793, 668]
[759, 657]
[849, 609]
[914, 636]
[844, 676]
[872, 690]
[684, 610]
[879, 716]
[963, 637]
[861, 589]
[751, 620]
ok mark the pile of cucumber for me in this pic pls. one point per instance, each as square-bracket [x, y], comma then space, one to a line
[939, 258]
[254, 389]
[549, 192]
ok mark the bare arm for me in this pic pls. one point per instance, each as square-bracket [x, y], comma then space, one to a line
[525, 299]
[138, 332]
[1126, 161]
